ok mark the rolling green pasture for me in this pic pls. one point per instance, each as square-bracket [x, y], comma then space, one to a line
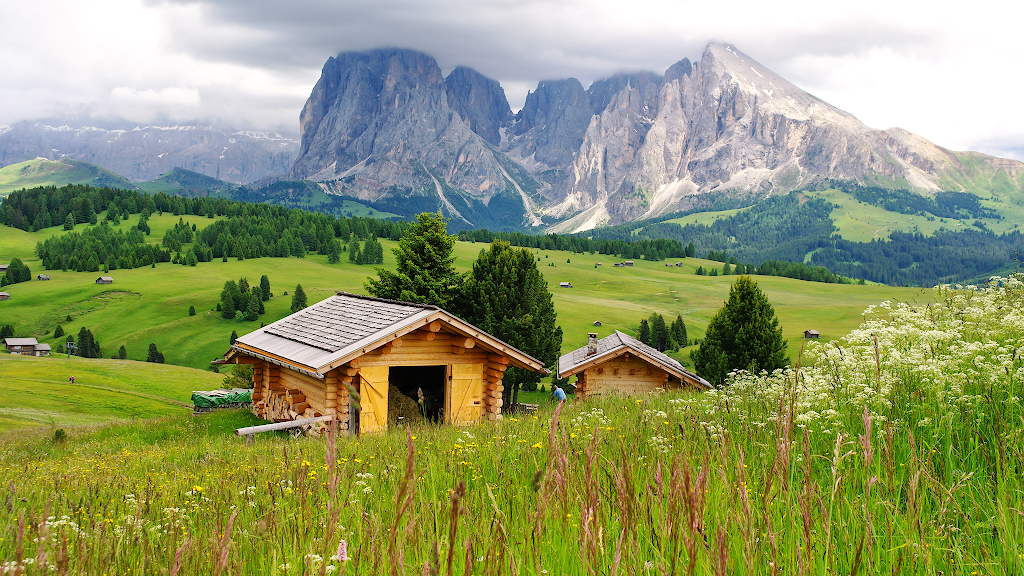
[40, 172]
[150, 305]
[36, 391]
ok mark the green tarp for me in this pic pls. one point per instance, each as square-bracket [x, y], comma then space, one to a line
[216, 398]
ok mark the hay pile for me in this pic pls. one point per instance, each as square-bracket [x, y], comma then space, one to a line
[402, 409]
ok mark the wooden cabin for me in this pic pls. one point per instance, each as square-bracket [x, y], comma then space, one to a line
[42, 276]
[565, 284]
[5, 296]
[24, 346]
[391, 354]
[105, 280]
[812, 334]
[621, 364]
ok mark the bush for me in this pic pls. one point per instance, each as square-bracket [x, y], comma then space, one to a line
[191, 310]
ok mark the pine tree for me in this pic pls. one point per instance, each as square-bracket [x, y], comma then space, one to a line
[726, 269]
[264, 288]
[8, 331]
[333, 251]
[645, 332]
[353, 252]
[69, 222]
[659, 333]
[154, 355]
[122, 353]
[234, 336]
[191, 310]
[678, 331]
[56, 333]
[425, 266]
[744, 334]
[298, 299]
[506, 295]
[252, 311]
[227, 304]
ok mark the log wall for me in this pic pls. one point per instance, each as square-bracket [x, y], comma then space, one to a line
[625, 374]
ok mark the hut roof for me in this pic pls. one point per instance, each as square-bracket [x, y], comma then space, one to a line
[108, 279]
[611, 346]
[43, 346]
[20, 341]
[345, 326]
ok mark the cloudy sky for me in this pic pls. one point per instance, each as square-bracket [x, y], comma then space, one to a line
[951, 76]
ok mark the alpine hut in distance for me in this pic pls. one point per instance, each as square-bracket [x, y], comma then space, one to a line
[621, 364]
[306, 364]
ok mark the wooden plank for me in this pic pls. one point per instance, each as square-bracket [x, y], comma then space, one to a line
[280, 426]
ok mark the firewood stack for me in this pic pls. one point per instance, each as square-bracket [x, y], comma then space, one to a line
[493, 373]
[272, 400]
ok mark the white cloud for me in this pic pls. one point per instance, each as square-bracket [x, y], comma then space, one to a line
[947, 75]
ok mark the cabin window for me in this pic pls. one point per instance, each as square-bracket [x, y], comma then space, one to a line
[411, 381]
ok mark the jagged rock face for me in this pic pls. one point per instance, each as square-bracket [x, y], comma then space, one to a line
[145, 152]
[380, 121]
[480, 101]
[631, 146]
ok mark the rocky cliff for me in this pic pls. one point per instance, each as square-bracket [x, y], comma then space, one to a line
[144, 152]
[386, 125]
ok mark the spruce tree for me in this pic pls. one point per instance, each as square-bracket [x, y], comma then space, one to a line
[191, 310]
[645, 332]
[298, 299]
[506, 295]
[264, 288]
[122, 353]
[252, 311]
[154, 355]
[227, 304]
[425, 266]
[744, 334]
[234, 336]
[8, 331]
[353, 252]
[333, 251]
[56, 333]
[69, 222]
[659, 333]
[678, 330]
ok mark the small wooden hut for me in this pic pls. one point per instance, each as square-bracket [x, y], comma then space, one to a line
[23, 346]
[389, 353]
[622, 364]
[42, 276]
[105, 280]
[5, 296]
[812, 334]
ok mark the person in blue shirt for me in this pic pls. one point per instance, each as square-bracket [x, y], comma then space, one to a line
[557, 393]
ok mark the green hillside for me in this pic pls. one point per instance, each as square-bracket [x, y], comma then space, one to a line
[36, 391]
[186, 183]
[150, 305]
[42, 172]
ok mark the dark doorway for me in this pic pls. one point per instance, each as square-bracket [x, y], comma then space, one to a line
[414, 381]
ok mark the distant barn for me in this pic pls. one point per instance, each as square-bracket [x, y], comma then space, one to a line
[26, 347]
[628, 262]
[42, 276]
[105, 280]
[5, 296]
[621, 364]
[596, 264]
[3, 268]
[597, 322]
[812, 334]
[565, 284]
[618, 265]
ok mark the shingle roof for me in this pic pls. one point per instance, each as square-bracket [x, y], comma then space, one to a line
[43, 346]
[610, 345]
[20, 341]
[343, 325]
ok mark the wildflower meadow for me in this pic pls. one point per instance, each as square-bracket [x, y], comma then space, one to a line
[896, 449]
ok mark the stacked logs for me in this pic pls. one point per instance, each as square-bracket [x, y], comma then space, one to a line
[273, 400]
[494, 370]
[338, 383]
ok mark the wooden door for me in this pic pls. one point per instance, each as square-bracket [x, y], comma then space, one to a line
[465, 393]
[373, 390]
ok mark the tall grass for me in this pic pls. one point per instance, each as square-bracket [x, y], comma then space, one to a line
[897, 457]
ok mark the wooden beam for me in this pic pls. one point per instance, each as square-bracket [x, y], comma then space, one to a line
[425, 335]
[280, 426]
[464, 341]
[458, 350]
[434, 326]
[498, 358]
[396, 343]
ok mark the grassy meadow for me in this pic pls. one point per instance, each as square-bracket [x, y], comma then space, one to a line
[896, 451]
[150, 305]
